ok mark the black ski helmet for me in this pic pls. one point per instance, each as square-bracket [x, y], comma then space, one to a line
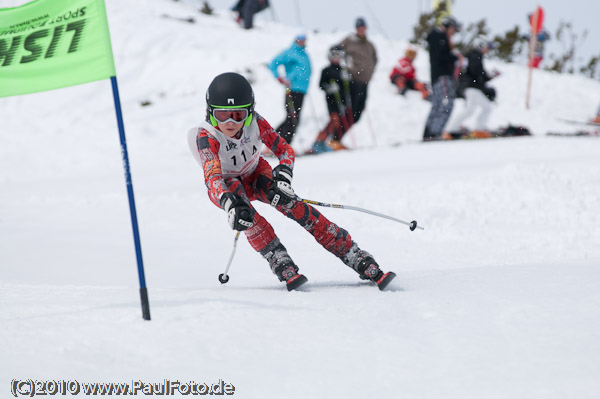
[230, 90]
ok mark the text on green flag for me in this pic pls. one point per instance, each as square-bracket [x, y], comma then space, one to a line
[47, 44]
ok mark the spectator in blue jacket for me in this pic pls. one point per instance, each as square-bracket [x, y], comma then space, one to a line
[297, 74]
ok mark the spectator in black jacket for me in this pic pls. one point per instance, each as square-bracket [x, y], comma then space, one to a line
[473, 85]
[246, 10]
[443, 60]
[335, 82]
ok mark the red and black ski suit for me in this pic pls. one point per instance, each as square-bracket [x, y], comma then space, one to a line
[404, 77]
[253, 185]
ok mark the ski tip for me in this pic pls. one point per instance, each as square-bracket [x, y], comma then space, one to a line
[385, 280]
[295, 282]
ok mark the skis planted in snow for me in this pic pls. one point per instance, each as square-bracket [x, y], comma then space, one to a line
[190, 20]
[577, 122]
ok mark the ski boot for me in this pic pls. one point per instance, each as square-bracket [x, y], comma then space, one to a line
[371, 271]
[320, 147]
[336, 145]
[363, 263]
[292, 278]
[283, 266]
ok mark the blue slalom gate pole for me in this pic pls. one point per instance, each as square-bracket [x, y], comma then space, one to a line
[128, 182]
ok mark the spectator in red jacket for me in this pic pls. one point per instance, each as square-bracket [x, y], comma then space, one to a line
[404, 76]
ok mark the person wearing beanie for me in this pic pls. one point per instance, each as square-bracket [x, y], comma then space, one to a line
[296, 63]
[361, 58]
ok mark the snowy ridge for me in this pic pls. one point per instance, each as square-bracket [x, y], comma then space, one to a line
[496, 298]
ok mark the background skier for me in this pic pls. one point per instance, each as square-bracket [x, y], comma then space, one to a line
[443, 59]
[335, 83]
[246, 10]
[297, 75]
[478, 95]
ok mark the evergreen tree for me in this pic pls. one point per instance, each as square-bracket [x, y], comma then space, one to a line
[512, 43]
[508, 45]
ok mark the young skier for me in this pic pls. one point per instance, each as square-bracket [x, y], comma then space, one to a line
[228, 145]
[404, 75]
[335, 83]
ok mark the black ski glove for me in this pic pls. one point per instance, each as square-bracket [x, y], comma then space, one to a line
[281, 191]
[239, 213]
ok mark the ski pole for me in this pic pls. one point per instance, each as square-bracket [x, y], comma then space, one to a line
[342, 112]
[291, 106]
[349, 113]
[223, 277]
[412, 225]
[314, 112]
[371, 129]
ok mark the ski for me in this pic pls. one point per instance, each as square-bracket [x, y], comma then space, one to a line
[311, 152]
[190, 20]
[295, 282]
[577, 122]
[385, 280]
[299, 280]
[465, 134]
[581, 133]
[327, 150]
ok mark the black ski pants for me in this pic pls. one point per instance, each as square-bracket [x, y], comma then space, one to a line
[358, 93]
[293, 106]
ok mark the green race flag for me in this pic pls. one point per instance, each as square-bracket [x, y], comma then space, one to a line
[48, 44]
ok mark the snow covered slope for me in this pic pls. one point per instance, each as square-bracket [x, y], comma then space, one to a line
[497, 298]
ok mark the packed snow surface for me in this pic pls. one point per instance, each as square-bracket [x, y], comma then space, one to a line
[498, 297]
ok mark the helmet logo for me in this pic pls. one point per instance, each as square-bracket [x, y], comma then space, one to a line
[230, 101]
